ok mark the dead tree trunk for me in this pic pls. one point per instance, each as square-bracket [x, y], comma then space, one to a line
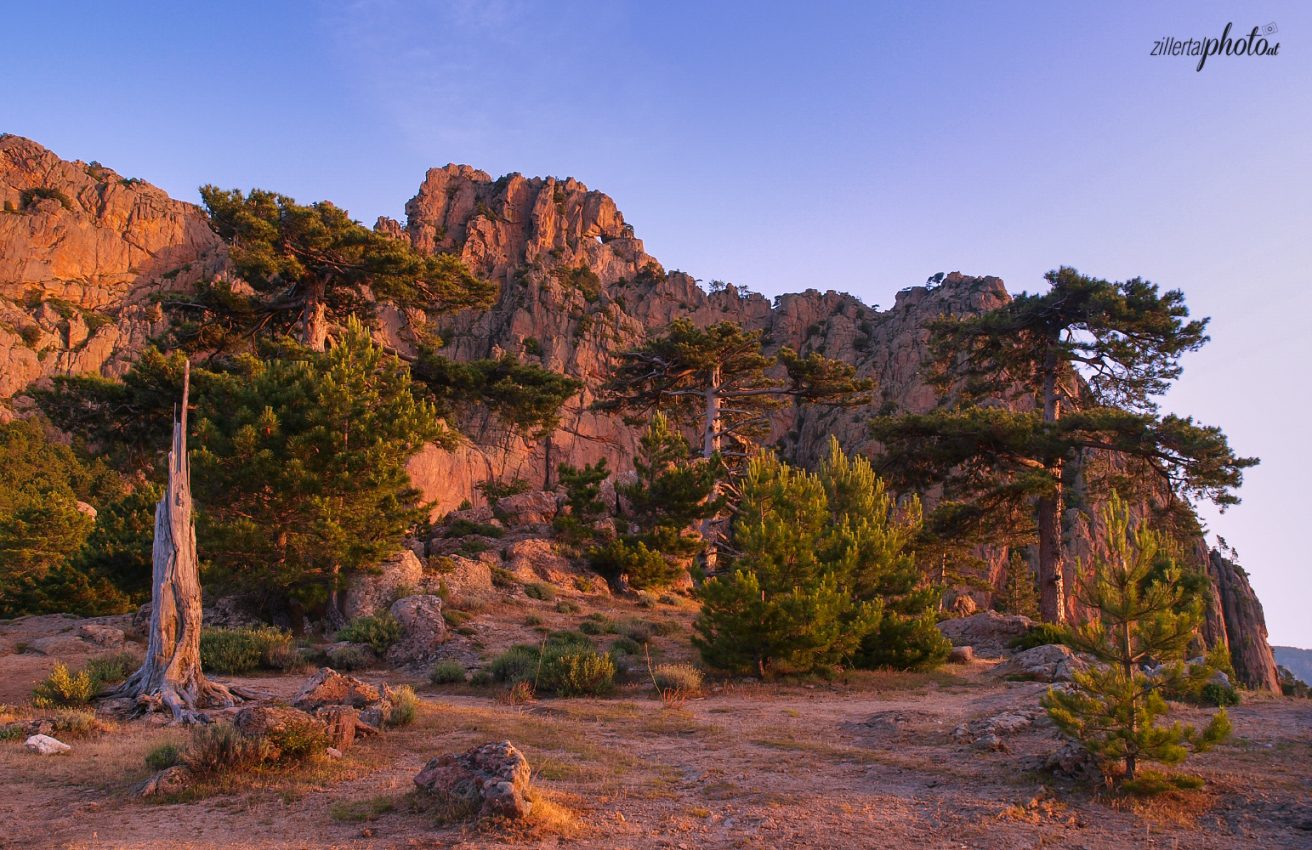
[171, 676]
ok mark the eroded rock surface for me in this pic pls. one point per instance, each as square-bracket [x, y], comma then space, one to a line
[490, 781]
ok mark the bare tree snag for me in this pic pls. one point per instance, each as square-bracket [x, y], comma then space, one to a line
[171, 675]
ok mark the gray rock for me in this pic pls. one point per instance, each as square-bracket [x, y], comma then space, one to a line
[102, 636]
[328, 687]
[961, 655]
[988, 632]
[1051, 663]
[425, 630]
[45, 745]
[370, 593]
[527, 509]
[490, 781]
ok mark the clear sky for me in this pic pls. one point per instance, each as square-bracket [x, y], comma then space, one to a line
[853, 146]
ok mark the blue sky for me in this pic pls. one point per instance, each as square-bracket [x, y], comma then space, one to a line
[852, 146]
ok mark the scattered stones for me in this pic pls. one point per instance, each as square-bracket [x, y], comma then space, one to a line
[1072, 760]
[988, 733]
[328, 687]
[988, 632]
[425, 630]
[490, 780]
[45, 745]
[961, 655]
[1050, 663]
[172, 780]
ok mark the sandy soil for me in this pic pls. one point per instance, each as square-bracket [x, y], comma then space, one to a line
[863, 762]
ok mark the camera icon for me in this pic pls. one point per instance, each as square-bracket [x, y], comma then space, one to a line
[1269, 29]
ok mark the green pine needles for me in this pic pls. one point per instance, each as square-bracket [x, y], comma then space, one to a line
[1138, 619]
[824, 574]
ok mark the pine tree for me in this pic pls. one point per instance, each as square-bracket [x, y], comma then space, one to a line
[310, 266]
[672, 493]
[1088, 356]
[824, 573]
[1019, 595]
[1113, 708]
[301, 467]
[714, 380]
[525, 397]
[582, 500]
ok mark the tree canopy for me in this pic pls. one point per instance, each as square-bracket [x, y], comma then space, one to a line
[1078, 369]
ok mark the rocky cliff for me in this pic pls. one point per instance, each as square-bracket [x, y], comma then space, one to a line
[82, 250]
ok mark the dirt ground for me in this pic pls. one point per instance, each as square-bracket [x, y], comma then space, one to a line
[862, 761]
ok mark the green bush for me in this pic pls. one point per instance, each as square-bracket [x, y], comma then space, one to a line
[625, 646]
[112, 669]
[469, 528]
[517, 664]
[164, 756]
[564, 606]
[237, 651]
[684, 678]
[568, 638]
[453, 617]
[1219, 695]
[405, 706]
[903, 643]
[75, 721]
[447, 673]
[62, 688]
[503, 578]
[1041, 634]
[379, 631]
[571, 671]
[598, 624]
[219, 747]
[481, 679]
[636, 630]
[350, 658]
[540, 590]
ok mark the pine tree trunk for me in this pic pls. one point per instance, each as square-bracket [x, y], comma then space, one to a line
[171, 677]
[314, 320]
[1052, 602]
[711, 445]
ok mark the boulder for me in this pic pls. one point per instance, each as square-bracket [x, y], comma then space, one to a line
[173, 780]
[260, 720]
[535, 560]
[106, 637]
[425, 630]
[328, 687]
[373, 592]
[490, 780]
[988, 733]
[468, 576]
[1073, 760]
[964, 605]
[961, 655]
[60, 645]
[988, 631]
[527, 509]
[45, 745]
[1051, 663]
[480, 515]
[342, 723]
[225, 612]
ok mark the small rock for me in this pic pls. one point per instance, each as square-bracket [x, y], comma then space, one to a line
[328, 687]
[491, 780]
[105, 636]
[961, 655]
[333, 753]
[45, 745]
[259, 720]
[1051, 663]
[1072, 760]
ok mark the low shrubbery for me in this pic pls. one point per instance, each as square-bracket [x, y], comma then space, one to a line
[1041, 634]
[237, 651]
[64, 688]
[405, 706]
[447, 673]
[379, 631]
[683, 678]
[540, 590]
[566, 665]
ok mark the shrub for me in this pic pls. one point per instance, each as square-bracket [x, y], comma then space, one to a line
[564, 606]
[284, 657]
[540, 590]
[481, 679]
[454, 618]
[636, 630]
[684, 678]
[503, 578]
[76, 721]
[111, 669]
[350, 658]
[219, 747]
[296, 740]
[447, 673]
[598, 624]
[379, 631]
[62, 688]
[495, 491]
[1041, 634]
[624, 646]
[468, 528]
[903, 643]
[237, 651]
[517, 664]
[1219, 695]
[405, 706]
[571, 671]
[29, 195]
[164, 756]
[533, 620]
[532, 346]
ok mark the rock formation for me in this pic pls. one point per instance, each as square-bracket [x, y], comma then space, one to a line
[82, 251]
[1245, 625]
